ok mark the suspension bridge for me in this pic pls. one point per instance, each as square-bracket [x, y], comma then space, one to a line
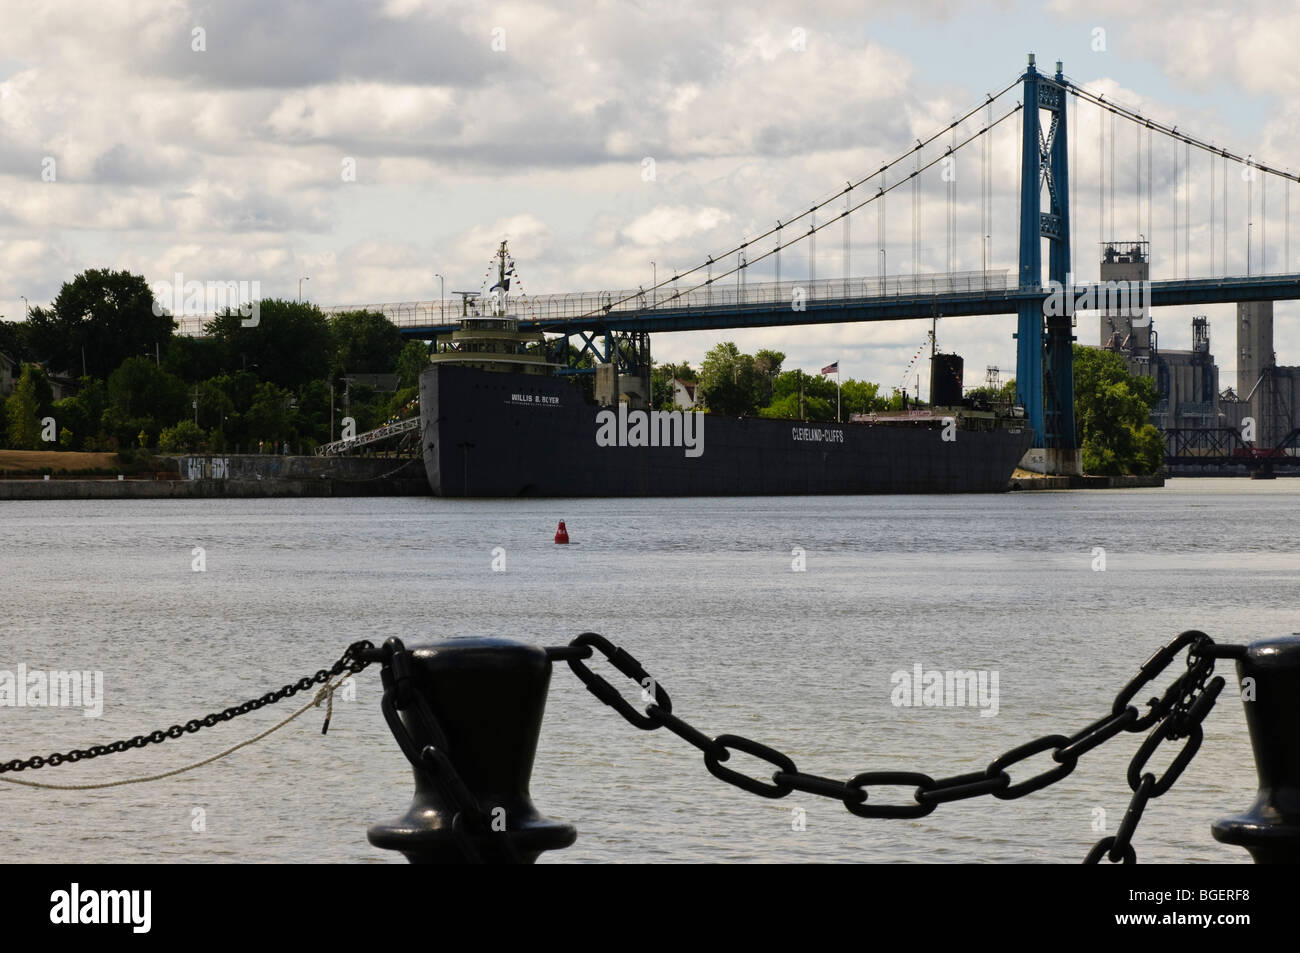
[721, 293]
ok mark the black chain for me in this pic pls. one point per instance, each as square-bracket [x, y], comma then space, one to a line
[357, 656]
[1176, 715]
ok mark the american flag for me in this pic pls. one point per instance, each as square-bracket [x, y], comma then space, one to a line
[831, 368]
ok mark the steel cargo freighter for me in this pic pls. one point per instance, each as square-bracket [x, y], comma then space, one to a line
[497, 419]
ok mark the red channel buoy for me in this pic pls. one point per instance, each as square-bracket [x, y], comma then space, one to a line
[561, 534]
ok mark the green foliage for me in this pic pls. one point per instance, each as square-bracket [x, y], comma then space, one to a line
[729, 381]
[142, 400]
[139, 388]
[25, 407]
[289, 346]
[270, 416]
[767, 366]
[411, 362]
[859, 397]
[1004, 396]
[73, 422]
[13, 341]
[215, 405]
[195, 358]
[365, 342]
[402, 404]
[313, 412]
[1112, 411]
[185, 437]
[787, 406]
[106, 315]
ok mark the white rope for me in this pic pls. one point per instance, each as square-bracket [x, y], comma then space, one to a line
[325, 694]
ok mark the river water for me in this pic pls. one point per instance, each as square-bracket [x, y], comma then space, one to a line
[705, 593]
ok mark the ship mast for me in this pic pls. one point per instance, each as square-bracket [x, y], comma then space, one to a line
[501, 279]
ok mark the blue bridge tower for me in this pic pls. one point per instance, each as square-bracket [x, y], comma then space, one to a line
[1044, 344]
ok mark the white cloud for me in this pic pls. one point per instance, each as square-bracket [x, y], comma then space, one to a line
[668, 224]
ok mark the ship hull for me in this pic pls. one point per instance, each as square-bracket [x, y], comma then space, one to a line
[489, 434]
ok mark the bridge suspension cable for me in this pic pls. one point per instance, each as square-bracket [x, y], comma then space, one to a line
[881, 192]
[812, 210]
[1182, 181]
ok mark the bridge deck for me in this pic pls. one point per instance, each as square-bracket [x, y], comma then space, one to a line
[728, 304]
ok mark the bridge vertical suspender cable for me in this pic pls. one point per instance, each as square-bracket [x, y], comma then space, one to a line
[812, 253]
[950, 216]
[778, 257]
[1187, 210]
[880, 231]
[1212, 269]
[916, 215]
[1137, 177]
[1173, 192]
[1101, 181]
[1150, 189]
[1113, 170]
[1225, 214]
[847, 242]
[1250, 215]
[984, 210]
[1263, 226]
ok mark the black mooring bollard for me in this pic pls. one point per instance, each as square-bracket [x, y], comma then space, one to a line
[467, 713]
[1270, 830]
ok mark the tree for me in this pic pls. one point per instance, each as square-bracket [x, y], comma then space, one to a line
[313, 414]
[289, 345]
[860, 397]
[412, 361]
[25, 408]
[767, 365]
[13, 340]
[270, 417]
[1112, 410]
[728, 380]
[365, 342]
[185, 437]
[195, 358]
[143, 398]
[81, 415]
[1003, 396]
[101, 316]
[814, 408]
[215, 405]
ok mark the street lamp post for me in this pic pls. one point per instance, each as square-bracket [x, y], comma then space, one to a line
[27, 311]
[442, 298]
[300, 281]
[654, 284]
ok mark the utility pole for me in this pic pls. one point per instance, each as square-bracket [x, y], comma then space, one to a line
[196, 405]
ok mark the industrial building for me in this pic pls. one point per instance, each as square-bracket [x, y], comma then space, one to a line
[1187, 381]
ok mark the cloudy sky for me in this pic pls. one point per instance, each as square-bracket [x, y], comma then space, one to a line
[218, 140]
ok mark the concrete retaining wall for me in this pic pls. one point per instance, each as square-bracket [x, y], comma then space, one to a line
[241, 475]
